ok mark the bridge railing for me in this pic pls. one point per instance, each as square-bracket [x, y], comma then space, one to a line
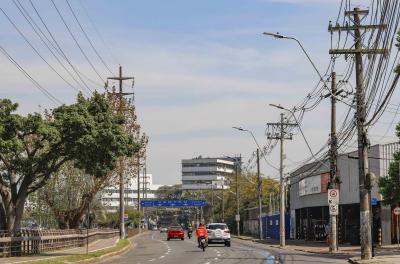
[38, 241]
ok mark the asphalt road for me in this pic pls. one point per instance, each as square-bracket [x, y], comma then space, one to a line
[153, 248]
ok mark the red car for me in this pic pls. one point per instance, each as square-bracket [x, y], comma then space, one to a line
[175, 232]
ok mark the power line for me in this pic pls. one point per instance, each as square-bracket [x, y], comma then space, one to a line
[35, 50]
[59, 49]
[54, 99]
[87, 37]
[76, 41]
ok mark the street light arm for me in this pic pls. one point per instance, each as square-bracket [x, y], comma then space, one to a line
[277, 35]
[310, 60]
[258, 145]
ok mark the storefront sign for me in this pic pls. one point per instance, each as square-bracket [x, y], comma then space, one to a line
[310, 185]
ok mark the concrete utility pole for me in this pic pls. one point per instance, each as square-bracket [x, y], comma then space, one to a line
[120, 94]
[237, 218]
[333, 246]
[259, 196]
[358, 51]
[223, 203]
[138, 192]
[281, 135]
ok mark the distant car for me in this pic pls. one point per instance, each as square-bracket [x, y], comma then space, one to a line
[163, 230]
[219, 233]
[175, 232]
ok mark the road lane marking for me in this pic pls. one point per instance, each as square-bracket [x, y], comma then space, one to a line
[151, 260]
[162, 257]
[269, 259]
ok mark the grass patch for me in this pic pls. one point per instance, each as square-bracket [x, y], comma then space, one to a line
[61, 260]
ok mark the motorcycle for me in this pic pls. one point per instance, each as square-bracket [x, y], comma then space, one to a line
[203, 243]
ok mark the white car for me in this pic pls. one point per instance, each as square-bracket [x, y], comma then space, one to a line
[219, 233]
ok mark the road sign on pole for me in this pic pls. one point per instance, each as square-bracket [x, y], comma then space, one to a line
[333, 197]
[237, 217]
[396, 211]
[333, 209]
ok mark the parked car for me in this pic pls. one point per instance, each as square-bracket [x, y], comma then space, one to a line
[175, 232]
[163, 230]
[219, 233]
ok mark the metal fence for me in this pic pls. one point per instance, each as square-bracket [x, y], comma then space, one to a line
[39, 241]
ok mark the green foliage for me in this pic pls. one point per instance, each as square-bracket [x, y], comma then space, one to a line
[111, 219]
[389, 186]
[33, 148]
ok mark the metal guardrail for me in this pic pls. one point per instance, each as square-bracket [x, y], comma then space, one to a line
[39, 241]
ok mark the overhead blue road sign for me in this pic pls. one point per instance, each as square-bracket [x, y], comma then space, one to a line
[172, 203]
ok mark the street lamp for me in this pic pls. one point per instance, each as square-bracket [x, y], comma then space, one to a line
[258, 179]
[279, 36]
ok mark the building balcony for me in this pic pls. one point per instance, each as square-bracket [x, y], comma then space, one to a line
[202, 169]
[203, 178]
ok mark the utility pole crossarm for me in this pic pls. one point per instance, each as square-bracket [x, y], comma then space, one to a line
[120, 78]
[357, 51]
[361, 27]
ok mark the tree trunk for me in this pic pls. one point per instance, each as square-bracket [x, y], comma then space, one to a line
[14, 215]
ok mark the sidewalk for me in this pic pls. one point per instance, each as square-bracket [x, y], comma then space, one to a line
[385, 254]
[96, 245]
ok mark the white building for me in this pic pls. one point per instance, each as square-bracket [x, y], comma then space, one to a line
[110, 195]
[207, 173]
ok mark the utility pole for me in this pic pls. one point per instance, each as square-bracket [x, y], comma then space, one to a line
[138, 192]
[259, 196]
[120, 94]
[364, 187]
[223, 203]
[237, 218]
[333, 245]
[281, 135]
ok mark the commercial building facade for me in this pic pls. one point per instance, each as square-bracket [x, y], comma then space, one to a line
[207, 173]
[309, 201]
[110, 196]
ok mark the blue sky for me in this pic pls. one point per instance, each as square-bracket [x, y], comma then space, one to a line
[201, 67]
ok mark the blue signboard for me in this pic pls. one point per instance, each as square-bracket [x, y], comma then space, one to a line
[374, 201]
[172, 203]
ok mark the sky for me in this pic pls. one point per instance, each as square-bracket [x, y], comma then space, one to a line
[200, 67]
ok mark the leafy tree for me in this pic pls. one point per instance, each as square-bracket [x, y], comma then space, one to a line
[33, 148]
[75, 189]
[389, 186]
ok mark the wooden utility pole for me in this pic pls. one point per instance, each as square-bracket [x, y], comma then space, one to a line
[120, 94]
[282, 135]
[364, 187]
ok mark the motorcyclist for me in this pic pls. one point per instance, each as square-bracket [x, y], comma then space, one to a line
[201, 232]
[190, 230]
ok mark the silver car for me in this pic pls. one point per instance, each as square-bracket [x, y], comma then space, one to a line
[219, 233]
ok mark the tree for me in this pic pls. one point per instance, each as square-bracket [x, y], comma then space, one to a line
[389, 186]
[33, 148]
[75, 189]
